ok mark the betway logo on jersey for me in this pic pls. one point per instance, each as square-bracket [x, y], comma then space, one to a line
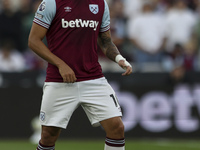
[80, 23]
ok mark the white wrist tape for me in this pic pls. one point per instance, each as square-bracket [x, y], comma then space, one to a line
[120, 57]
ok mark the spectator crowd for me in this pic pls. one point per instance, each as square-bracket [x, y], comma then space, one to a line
[154, 35]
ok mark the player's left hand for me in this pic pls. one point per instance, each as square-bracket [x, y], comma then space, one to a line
[126, 66]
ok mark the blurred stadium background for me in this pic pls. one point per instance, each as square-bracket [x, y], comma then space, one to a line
[160, 100]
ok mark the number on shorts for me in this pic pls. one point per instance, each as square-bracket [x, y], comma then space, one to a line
[115, 101]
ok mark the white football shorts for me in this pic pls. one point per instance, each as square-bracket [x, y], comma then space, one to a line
[60, 100]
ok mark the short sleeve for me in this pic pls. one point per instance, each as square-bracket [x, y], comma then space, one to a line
[45, 13]
[105, 26]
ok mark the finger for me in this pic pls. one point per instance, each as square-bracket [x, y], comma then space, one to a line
[72, 78]
[128, 71]
[125, 73]
[66, 79]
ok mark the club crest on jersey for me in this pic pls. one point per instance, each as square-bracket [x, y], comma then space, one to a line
[42, 6]
[94, 8]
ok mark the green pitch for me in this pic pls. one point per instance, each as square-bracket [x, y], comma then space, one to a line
[99, 145]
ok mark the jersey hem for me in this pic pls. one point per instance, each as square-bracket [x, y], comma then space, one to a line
[78, 80]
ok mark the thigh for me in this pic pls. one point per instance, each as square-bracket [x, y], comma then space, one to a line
[99, 101]
[58, 103]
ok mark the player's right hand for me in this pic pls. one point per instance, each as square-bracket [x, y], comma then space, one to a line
[67, 74]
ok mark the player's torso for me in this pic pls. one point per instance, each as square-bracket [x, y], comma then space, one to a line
[73, 35]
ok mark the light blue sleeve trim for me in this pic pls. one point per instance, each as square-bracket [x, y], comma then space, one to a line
[105, 26]
[45, 13]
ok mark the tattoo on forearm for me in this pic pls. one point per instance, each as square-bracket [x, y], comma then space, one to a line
[108, 46]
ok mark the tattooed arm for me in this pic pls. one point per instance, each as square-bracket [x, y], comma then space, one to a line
[111, 51]
[107, 46]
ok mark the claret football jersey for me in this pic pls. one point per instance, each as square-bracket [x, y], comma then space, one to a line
[73, 28]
